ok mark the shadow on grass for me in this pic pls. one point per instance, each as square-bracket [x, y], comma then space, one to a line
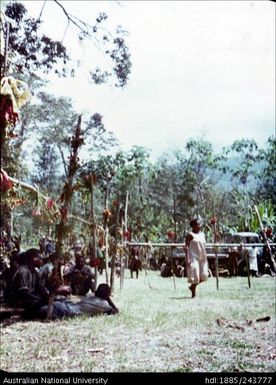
[180, 298]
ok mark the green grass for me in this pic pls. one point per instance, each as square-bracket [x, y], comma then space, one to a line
[159, 329]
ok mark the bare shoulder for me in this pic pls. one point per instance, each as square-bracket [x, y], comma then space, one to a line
[189, 237]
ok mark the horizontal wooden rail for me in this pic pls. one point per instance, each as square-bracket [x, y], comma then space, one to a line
[217, 245]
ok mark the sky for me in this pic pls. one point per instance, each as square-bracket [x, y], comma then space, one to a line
[200, 69]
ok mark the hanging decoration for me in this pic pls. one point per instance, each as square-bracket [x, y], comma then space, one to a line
[171, 234]
[127, 235]
[107, 215]
[14, 94]
[5, 182]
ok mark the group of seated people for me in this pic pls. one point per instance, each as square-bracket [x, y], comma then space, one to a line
[171, 267]
[29, 283]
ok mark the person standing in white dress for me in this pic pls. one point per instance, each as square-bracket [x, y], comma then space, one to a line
[196, 256]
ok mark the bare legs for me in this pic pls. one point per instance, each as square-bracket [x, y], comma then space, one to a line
[193, 289]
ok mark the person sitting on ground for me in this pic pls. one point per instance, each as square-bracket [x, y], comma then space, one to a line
[26, 291]
[81, 277]
[9, 272]
[197, 263]
[179, 270]
[45, 271]
[166, 268]
[95, 304]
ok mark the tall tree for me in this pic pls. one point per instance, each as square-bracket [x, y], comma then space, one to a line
[29, 50]
[266, 174]
[243, 156]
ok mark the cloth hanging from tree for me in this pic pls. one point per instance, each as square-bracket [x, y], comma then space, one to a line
[14, 94]
[17, 90]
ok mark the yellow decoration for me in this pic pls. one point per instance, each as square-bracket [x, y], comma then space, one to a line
[17, 90]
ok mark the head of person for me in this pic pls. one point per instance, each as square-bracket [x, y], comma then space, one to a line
[14, 259]
[55, 258]
[32, 258]
[103, 291]
[195, 224]
[80, 262]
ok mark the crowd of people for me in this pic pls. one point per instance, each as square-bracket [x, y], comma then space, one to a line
[34, 276]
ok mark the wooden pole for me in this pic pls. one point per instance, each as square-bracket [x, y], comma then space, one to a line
[123, 260]
[173, 268]
[113, 258]
[245, 256]
[214, 240]
[106, 230]
[121, 269]
[216, 263]
[216, 254]
[106, 254]
[126, 207]
[93, 232]
[56, 279]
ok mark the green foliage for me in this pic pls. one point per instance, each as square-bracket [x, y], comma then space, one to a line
[266, 175]
[247, 153]
[267, 215]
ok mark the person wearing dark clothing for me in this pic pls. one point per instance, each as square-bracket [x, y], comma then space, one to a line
[9, 272]
[99, 303]
[135, 263]
[81, 278]
[26, 291]
[166, 268]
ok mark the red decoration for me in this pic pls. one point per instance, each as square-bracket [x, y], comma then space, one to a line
[94, 262]
[50, 203]
[63, 212]
[171, 234]
[127, 235]
[7, 114]
[5, 183]
[213, 220]
[268, 232]
[36, 213]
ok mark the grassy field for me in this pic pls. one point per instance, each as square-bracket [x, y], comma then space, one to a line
[159, 329]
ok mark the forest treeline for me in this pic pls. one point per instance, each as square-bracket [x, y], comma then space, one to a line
[76, 174]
